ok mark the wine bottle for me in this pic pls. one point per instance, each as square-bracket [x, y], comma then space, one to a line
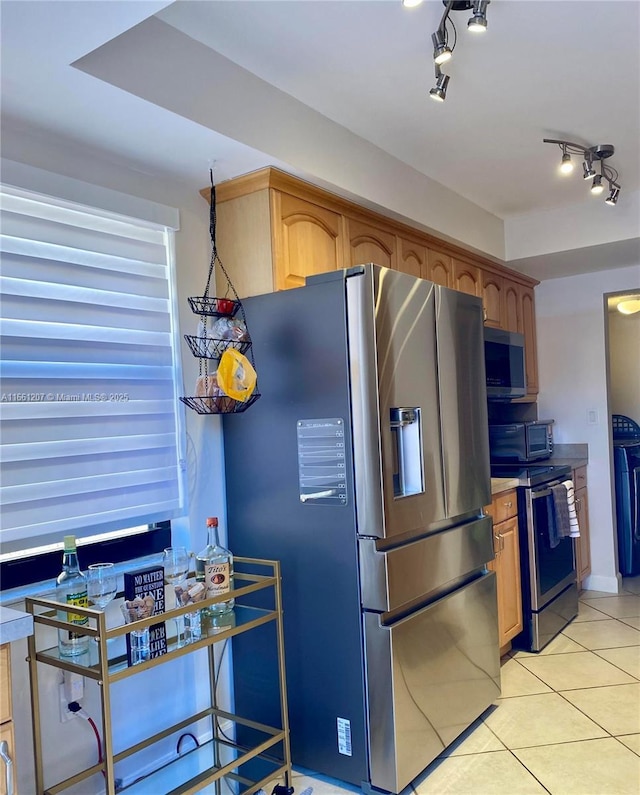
[71, 589]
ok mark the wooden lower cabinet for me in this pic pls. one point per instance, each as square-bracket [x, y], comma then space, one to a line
[506, 565]
[6, 723]
[582, 544]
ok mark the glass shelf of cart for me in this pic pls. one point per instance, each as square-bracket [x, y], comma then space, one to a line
[240, 619]
[209, 762]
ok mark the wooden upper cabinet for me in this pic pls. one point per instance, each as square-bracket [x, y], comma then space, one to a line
[368, 244]
[512, 309]
[466, 278]
[528, 328]
[307, 240]
[274, 230]
[412, 258]
[493, 299]
[439, 267]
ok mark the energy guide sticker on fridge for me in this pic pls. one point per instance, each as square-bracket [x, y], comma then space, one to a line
[344, 736]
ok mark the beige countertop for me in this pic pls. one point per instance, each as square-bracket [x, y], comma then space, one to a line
[499, 485]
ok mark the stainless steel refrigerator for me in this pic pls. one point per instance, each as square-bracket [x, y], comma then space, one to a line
[364, 467]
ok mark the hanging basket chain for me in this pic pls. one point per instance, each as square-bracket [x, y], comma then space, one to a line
[205, 347]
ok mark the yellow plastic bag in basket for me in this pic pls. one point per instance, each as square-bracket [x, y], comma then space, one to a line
[236, 376]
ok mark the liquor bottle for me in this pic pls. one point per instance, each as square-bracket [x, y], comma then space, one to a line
[214, 567]
[71, 589]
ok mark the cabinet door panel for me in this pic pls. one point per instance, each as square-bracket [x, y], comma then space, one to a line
[466, 278]
[6, 735]
[509, 583]
[493, 299]
[528, 328]
[307, 240]
[512, 320]
[439, 267]
[582, 546]
[412, 258]
[5, 684]
[368, 244]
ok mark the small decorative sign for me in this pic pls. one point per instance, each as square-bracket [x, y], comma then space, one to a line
[148, 584]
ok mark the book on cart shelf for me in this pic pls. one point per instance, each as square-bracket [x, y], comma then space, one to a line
[141, 584]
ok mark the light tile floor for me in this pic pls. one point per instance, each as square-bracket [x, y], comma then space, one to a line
[568, 721]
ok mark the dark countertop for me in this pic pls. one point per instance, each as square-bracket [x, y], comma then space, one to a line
[573, 455]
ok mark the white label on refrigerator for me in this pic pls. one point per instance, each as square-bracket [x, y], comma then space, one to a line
[344, 736]
[322, 474]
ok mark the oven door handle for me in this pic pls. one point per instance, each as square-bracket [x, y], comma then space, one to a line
[535, 495]
[636, 503]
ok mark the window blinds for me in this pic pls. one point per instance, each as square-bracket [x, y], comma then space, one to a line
[89, 413]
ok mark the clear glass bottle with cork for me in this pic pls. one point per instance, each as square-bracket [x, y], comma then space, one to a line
[214, 567]
[71, 589]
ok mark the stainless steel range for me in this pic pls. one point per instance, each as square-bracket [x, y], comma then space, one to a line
[549, 587]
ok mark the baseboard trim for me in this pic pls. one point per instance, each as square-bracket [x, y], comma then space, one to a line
[597, 582]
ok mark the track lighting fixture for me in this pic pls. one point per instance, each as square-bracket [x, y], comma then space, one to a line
[442, 52]
[439, 92]
[478, 22]
[612, 198]
[591, 155]
[566, 166]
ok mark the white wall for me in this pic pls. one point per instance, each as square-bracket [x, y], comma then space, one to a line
[170, 692]
[571, 319]
[624, 362]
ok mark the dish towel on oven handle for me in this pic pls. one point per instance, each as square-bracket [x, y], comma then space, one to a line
[565, 510]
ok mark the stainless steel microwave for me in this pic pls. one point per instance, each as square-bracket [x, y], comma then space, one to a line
[521, 441]
[504, 364]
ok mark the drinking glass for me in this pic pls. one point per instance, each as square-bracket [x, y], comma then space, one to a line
[102, 585]
[176, 568]
[139, 639]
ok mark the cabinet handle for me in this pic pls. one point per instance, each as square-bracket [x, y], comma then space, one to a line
[508, 504]
[578, 503]
[496, 543]
[8, 761]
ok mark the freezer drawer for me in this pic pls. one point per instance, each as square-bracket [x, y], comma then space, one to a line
[399, 577]
[429, 676]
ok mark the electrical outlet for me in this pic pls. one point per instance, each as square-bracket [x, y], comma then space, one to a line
[65, 714]
[73, 687]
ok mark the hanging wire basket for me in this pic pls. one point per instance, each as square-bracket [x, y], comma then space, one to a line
[219, 405]
[216, 307]
[208, 347]
[211, 348]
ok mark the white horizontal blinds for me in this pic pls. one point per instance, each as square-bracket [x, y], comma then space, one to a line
[88, 414]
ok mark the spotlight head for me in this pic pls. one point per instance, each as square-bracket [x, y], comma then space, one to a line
[566, 166]
[612, 198]
[441, 52]
[596, 186]
[439, 91]
[588, 170]
[478, 22]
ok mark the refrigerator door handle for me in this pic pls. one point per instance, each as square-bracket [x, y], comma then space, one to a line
[408, 476]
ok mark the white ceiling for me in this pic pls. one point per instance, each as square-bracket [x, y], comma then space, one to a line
[558, 69]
